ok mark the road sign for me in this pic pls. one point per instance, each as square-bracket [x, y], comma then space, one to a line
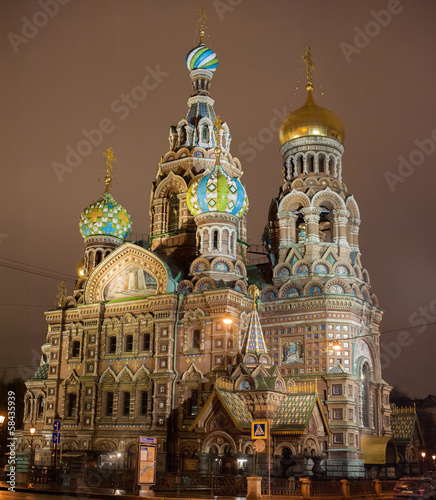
[260, 445]
[56, 437]
[57, 425]
[259, 430]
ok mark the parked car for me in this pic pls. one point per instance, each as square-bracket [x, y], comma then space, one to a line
[418, 488]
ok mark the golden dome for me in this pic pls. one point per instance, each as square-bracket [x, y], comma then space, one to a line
[311, 120]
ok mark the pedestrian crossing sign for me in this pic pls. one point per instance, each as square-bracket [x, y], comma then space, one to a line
[259, 430]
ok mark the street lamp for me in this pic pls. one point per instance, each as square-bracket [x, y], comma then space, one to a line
[32, 431]
[227, 320]
[2, 419]
[423, 462]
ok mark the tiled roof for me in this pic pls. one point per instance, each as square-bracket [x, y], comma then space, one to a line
[337, 369]
[295, 411]
[254, 341]
[41, 373]
[402, 426]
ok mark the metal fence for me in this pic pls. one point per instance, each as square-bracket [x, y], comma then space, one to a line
[325, 488]
[362, 488]
[280, 486]
[199, 483]
[387, 486]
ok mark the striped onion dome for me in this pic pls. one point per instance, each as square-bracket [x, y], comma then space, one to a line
[217, 191]
[201, 58]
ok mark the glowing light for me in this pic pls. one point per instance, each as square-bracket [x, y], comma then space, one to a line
[227, 320]
[32, 430]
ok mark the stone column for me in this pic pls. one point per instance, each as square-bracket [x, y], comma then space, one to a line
[305, 488]
[203, 463]
[354, 223]
[311, 217]
[287, 233]
[345, 487]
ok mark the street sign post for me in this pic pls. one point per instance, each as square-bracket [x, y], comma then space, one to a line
[57, 425]
[259, 429]
[56, 437]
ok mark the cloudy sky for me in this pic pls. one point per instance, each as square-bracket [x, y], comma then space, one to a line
[83, 75]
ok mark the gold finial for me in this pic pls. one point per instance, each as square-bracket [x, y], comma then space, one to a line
[203, 19]
[110, 158]
[254, 292]
[62, 293]
[307, 58]
[219, 126]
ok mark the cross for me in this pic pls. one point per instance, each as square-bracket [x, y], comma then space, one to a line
[110, 158]
[95, 214]
[254, 292]
[307, 58]
[123, 217]
[62, 293]
[219, 126]
[203, 19]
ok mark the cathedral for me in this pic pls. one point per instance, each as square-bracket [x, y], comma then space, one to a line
[181, 339]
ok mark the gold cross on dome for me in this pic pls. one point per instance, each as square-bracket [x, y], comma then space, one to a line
[123, 217]
[307, 58]
[203, 19]
[110, 158]
[219, 126]
[62, 293]
[95, 214]
[254, 292]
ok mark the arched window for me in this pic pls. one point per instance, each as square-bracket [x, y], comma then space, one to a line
[215, 239]
[311, 164]
[321, 163]
[72, 404]
[112, 348]
[146, 342]
[143, 408]
[365, 396]
[196, 339]
[173, 212]
[76, 349]
[40, 406]
[129, 343]
[205, 133]
[98, 257]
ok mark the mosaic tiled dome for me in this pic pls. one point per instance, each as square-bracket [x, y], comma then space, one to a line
[217, 192]
[201, 58]
[105, 217]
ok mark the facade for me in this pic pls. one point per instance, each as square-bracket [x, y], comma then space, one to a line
[145, 346]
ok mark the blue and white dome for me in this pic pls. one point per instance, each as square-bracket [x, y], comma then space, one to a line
[217, 191]
[201, 58]
[105, 217]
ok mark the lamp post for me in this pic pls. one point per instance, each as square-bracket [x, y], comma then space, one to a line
[32, 431]
[423, 462]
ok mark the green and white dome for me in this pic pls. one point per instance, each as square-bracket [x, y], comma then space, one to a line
[217, 191]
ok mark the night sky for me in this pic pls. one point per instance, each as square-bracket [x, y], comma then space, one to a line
[64, 74]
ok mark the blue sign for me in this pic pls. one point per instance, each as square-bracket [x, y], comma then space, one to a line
[56, 437]
[259, 430]
[146, 440]
[57, 425]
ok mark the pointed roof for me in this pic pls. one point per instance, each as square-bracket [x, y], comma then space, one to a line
[232, 404]
[338, 369]
[294, 413]
[41, 373]
[404, 422]
[254, 341]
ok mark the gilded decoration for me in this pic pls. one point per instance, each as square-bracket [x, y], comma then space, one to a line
[128, 271]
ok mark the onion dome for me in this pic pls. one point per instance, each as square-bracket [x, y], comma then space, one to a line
[201, 58]
[105, 217]
[311, 120]
[217, 191]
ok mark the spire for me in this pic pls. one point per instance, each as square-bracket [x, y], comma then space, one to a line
[254, 341]
[218, 127]
[307, 58]
[203, 19]
[110, 158]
